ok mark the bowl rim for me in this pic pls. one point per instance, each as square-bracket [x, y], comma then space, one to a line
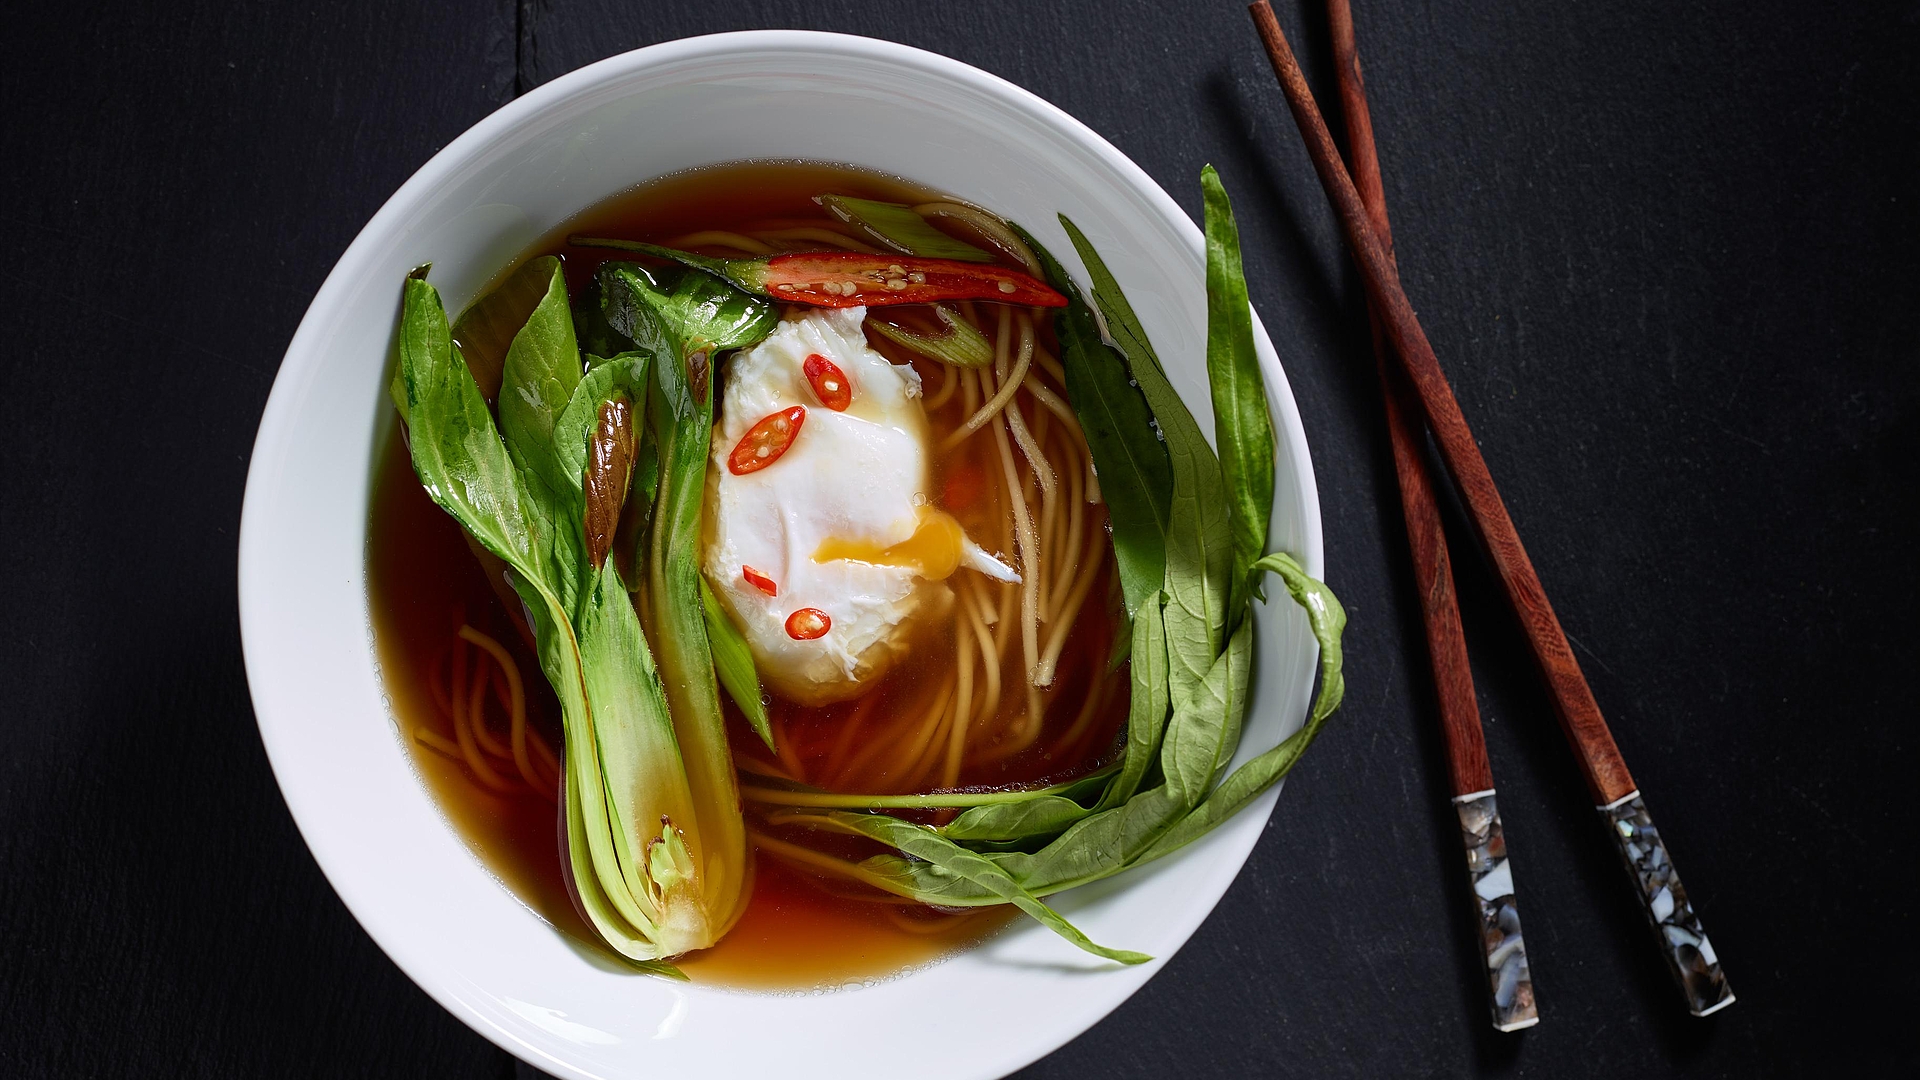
[474, 143]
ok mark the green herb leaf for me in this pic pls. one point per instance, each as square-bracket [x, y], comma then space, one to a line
[1160, 820]
[672, 313]
[1097, 847]
[1328, 620]
[1033, 817]
[1197, 744]
[1242, 427]
[1002, 822]
[1147, 709]
[901, 229]
[977, 870]
[456, 452]
[960, 343]
[1121, 324]
[1108, 842]
[1199, 556]
[733, 663]
[1136, 480]
[537, 379]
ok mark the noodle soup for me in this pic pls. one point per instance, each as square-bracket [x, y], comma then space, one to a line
[985, 682]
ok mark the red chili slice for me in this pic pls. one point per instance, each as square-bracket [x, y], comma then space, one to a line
[765, 441]
[829, 383]
[808, 623]
[851, 278]
[759, 581]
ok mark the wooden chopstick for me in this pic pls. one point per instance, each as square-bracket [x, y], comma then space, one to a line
[1689, 955]
[1489, 863]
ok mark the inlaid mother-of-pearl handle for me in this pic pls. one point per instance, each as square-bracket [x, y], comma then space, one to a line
[1509, 979]
[1689, 955]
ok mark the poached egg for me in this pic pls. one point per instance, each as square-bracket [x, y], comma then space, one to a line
[822, 540]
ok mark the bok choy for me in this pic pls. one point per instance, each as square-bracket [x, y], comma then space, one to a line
[656, 845]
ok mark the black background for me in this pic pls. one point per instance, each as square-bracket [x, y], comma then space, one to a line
[1667, 254]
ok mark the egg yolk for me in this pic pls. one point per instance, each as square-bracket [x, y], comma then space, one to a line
[933, 551]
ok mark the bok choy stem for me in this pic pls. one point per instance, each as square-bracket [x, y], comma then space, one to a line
[685, 319]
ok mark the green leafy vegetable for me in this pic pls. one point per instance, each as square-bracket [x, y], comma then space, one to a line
[590, 328]
[663, 311]
[1044, 815]
[654, 856]
[901, 229]
[1035, 815]
[612, 393]
[537, 379]
[485, 331]
[733, 663]
[1135, 476]
[841, 279]
[1147, 708]
[636, 519]
[1242, 428]
[684, 319]
[742, 274]
[1199, 559]
[959, 342]
[1188, 529]
[657, 846]
[946, 858]
[456, 452]
[1327, 619]
[624, 377]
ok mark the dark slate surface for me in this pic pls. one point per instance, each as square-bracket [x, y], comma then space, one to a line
[1667, 254]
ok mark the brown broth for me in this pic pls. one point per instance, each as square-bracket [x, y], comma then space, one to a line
[797, 932]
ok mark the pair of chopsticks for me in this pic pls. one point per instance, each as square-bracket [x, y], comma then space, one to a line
[1415, 389]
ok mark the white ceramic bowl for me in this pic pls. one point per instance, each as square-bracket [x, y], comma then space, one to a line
[377, 834]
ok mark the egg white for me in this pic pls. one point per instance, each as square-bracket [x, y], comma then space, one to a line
[860, 476]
